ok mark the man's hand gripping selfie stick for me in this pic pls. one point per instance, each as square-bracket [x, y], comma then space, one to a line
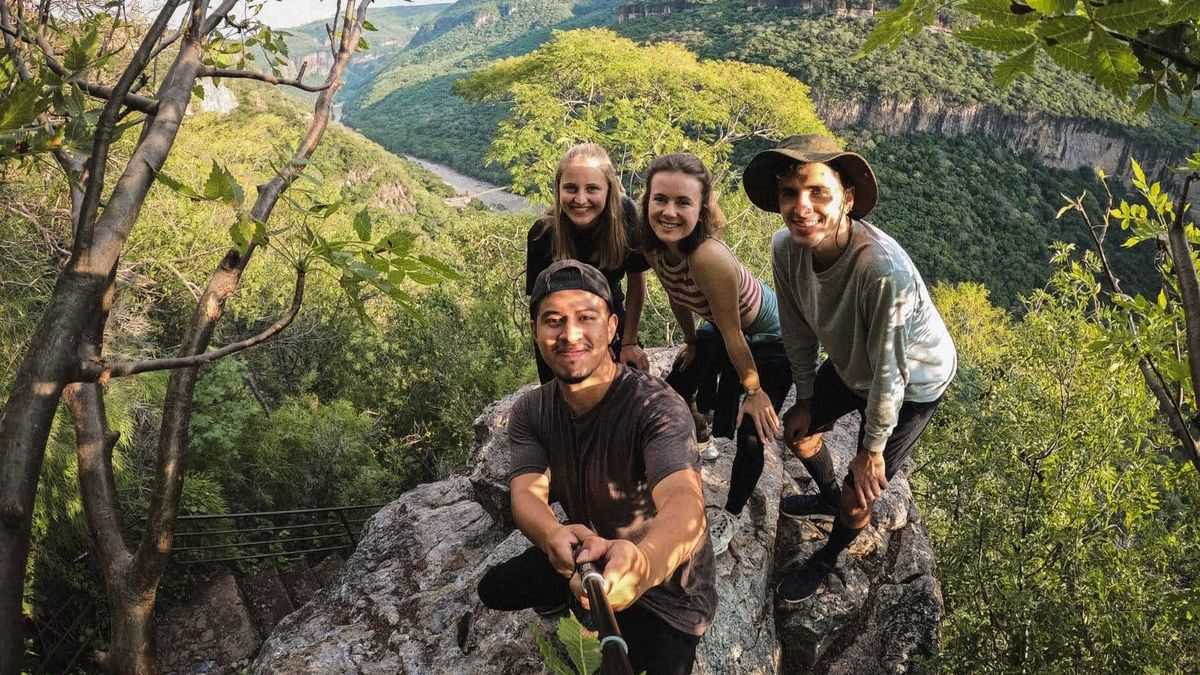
[614, 653]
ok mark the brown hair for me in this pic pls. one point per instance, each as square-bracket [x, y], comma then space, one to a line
[712, 219]
[613, 245]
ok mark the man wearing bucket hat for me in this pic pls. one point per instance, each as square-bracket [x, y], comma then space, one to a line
[847, 286]
[616, 447]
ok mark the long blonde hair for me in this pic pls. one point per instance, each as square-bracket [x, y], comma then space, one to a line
[613, 247]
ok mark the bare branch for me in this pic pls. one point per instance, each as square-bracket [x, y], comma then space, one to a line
[218, 16]
[101, 373]
[265, 77]
[162, 46]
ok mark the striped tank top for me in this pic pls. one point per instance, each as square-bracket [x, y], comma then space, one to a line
[677, 281]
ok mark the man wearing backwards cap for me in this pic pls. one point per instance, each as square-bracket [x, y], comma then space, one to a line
[845, 285]
[617, 447]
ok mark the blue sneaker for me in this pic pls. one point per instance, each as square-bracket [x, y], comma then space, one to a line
[809, 506]
[801, 583]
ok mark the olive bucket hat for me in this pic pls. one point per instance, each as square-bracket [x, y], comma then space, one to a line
[761, 175]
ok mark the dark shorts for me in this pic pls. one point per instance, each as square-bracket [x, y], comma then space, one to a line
[832, 400]
[528, 580]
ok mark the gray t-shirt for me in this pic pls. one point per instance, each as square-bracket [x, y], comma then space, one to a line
[603, 466]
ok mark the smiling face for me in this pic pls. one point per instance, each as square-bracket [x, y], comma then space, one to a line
[814, 206]
[573, 329]
[674, 206]
[582, 193]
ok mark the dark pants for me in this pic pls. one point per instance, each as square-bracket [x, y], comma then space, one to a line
[832, 399]
[712, 365]
[529, 580]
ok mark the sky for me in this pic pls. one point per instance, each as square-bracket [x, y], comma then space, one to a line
[289, 13]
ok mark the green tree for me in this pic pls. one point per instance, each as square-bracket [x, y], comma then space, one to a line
[636, 101]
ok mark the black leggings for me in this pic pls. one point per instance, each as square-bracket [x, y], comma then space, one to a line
[529, 580]
[775, 378]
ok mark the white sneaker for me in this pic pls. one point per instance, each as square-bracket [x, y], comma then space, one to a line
[722, 525]
[708, 450]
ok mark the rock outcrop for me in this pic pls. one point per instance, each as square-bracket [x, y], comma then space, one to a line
[406, 600]
[1061, 142]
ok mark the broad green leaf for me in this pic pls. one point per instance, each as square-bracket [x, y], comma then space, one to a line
[22, 106]
[1182, 10]
[1113, 64]
[1017, 64]
[1051, 7]
[997, 12]
[1138, 174]
[996, 38]
[82, 51]
[1145, 101]
[892, 25]
[367, 25]
[362, 44]
[1129, 16]
[198, 91]
[584, 650]
[1072, 56]
[178, 186]
[362, 224]
[242, 232]
[444, 269]
[1060, 29]
[549, 653]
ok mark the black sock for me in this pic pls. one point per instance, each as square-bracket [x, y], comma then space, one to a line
[747, 468]
[820, 467]
[841, 537]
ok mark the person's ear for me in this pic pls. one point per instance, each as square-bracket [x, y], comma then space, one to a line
[612, 327]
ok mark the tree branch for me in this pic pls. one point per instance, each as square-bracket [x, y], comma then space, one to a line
[208, 71]
[93, 372]
[1189, 283]
[85, 227]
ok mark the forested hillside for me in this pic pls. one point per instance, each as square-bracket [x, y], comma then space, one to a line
[1002, 211]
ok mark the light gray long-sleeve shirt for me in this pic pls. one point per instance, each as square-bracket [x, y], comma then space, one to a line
[872, 313]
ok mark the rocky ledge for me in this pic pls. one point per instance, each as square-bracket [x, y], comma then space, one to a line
[406, 602]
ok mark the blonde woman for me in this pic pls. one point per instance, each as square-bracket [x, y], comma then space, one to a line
[593, 221]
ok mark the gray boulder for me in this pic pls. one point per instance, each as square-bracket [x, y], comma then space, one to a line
[406, 602]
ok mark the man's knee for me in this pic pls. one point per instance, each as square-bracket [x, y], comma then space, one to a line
[491, 591]
[808, 446]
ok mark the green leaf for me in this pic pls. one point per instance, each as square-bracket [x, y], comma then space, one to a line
[1130, 16]
[362, 44]
[1059, 29]
[996, 38]
[1182, 10]
[1051, 7]
[22, 106]
[1018, 64]
[1072, 56]
[444, 269]
[1145, 101]
[1113, 64]
[82, 51]
[367, 25]
[997, 12]
[549, 654]
[584, 650]
[242, 232]
[362, 224]
[222, 186]
[198, 91]
[893, 24]
[178, 186]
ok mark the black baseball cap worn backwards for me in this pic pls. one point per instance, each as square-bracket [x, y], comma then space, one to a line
[569, 275]
[761, 177]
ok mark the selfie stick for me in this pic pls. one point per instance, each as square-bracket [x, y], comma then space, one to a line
[614, 653]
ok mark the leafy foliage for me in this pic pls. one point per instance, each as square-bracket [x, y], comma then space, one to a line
[1120, 44]
[582, 648]
[1040, 516]
[636, 101]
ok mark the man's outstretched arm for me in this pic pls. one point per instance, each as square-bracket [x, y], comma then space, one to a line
[530, 497]
[678, 528]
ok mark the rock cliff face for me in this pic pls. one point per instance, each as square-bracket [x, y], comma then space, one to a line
[483, 16]
[1060, 142]
[406, 601]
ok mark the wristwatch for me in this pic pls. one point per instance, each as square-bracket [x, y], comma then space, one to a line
[751, 392]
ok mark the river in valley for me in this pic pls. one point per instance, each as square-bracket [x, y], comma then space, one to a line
[489, 194]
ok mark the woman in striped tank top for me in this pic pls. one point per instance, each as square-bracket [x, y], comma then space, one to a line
[735, 360]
